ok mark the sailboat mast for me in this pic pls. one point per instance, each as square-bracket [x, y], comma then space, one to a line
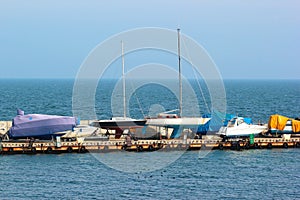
[123, 77]
[179, 72]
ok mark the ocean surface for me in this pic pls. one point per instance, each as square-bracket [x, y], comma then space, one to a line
[251, 174]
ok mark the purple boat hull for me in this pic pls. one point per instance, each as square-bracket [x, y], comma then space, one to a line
[40, 126]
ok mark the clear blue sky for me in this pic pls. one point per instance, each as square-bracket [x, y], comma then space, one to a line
[246, 39]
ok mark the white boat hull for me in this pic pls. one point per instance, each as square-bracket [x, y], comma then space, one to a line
[170, 122]
[242, 130]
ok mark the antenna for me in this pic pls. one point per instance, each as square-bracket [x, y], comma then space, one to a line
[123, 77]
[179, 71]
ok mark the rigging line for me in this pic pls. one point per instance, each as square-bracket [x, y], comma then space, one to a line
[137, 99]
[123, 80]
[193, 68]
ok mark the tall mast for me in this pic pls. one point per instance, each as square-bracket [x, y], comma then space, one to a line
[123, 77]
[179, 71]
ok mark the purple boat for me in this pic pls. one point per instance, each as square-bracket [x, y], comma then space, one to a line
[40, 126]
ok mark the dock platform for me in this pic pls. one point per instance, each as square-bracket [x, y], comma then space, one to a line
[81, 146]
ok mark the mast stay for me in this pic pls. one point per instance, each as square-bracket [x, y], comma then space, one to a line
[123, 77]
[179, 72]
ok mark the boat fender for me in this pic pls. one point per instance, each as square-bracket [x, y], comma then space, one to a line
[33, 150]
[124, 147]
[238, 146]
[269, 146]
[221, 147]
[255, 145]
[105, 148]
[160, 145]
[49, 150]
[150, 148]
[247, 145]
[285, 145]
[140, 148]
[298, 144]
[69, 149]
[11, 149]
[82, 149]
[189, 147]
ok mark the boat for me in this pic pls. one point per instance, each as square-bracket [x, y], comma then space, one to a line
[4, 127]
[81, 131]
[279, 124]
[241, 127]
[176, 122]
[40, 126]
[119, 124]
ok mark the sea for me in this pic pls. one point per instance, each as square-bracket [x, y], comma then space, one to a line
[217, 174]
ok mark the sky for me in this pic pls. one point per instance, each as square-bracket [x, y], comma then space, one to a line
[249, 39]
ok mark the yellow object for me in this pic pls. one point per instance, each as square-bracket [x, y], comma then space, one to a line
[278, 122]
[272, 121]
[296, 126]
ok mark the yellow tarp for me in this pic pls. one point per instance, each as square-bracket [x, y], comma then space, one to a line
[296, 126]
[278, 122]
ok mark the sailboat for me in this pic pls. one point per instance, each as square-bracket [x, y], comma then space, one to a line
[177, 123]
[119, 124]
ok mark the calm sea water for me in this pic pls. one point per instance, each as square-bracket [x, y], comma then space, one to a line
[252, 174]
[257, 99]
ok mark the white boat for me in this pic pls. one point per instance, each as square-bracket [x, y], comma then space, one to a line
[238, 127]
[81, 131]
[4, 127]
[177, 123]
[182, 121]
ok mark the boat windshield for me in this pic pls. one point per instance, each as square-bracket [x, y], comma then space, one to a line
[240, 121]
[231, 123]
